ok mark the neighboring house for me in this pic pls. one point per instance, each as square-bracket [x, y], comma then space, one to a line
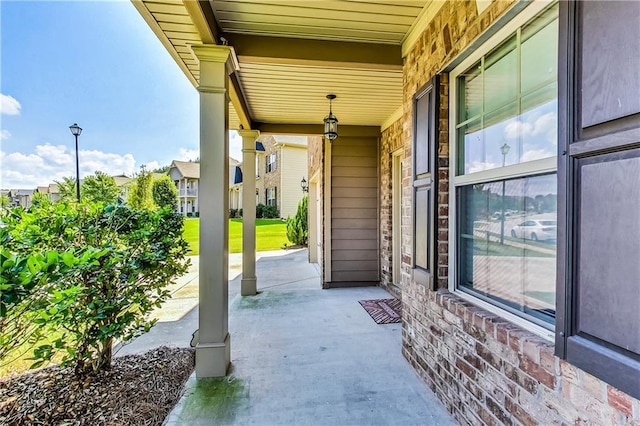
[459, 121]
[281, 164]
[51, 191]
[186, 175]
[123, 182]
[20, 197]
[235, 184]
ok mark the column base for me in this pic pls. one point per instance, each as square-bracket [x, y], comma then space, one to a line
[248, 286]
[213, 359]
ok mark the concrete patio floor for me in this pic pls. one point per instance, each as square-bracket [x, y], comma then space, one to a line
[300, 355]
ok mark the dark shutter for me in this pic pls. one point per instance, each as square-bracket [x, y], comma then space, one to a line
[598, 320]
[425, 120]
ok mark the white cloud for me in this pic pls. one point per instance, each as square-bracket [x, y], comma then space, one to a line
[541, 125]
[189, 154]
[478, 166]
[515, 128]
[4, 135]
[151, 165]
[535, 154]
[53, 162]
[9, 105]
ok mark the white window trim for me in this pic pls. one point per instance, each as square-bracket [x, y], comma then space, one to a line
[516, 170]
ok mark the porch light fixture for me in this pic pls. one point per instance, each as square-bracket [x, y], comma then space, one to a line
[330, 122]
[305, 185]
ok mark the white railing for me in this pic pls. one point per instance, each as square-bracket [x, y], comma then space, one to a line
[188, 192]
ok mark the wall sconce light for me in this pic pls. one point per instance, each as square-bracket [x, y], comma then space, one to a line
[305, 185]
[330, 122]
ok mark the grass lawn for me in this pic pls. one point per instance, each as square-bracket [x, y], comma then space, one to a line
[271, 234]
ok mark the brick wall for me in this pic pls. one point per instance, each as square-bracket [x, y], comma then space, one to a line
[483, 368]
[316, 162]
[271, 179]
[391, 141]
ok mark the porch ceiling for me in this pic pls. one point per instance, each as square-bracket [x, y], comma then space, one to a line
[292, 53]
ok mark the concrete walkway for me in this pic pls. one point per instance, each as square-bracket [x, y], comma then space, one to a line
[300, 355]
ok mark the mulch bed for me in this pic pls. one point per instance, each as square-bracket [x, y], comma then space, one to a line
[138, 390]
[383, 311]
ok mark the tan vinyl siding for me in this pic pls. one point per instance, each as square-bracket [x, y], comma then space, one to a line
[293, 163]
[354, 211]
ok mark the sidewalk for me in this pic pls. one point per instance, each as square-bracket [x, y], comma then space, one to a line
[300, 356]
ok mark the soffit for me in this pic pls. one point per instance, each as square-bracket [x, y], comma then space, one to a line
[380, 21]
[285, 90]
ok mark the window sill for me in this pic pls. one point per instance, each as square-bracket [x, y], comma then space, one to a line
[542, 332]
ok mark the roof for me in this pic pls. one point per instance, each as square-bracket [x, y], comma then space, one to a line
[187, 169]
[42, 189]
[121, 180]
[289, 55]
[290, 140]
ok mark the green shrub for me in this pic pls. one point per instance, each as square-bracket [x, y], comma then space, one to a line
[266, 212]
[297, 226]
[89, 274]
[165, 193]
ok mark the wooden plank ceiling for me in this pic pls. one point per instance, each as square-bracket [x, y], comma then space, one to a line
[292, 53]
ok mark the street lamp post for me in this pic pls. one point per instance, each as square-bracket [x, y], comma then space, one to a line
[75, 131]
[504, 149]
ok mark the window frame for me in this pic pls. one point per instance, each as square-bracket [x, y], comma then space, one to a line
[271, 165]
[275, 196]
[520, 170]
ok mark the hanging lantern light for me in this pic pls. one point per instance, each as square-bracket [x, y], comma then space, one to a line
[330, 122]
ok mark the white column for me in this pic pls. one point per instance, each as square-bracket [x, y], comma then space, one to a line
[213, 350]
[248, 285]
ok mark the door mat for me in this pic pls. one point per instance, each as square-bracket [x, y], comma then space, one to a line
[383, 311]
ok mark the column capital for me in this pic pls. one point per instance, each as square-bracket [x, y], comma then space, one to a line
[249, 134]
[211, 52]
[217, 54]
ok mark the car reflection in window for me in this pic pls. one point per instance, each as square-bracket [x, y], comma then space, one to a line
[536, 230]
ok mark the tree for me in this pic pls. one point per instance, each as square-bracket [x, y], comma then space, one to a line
[67, 188]
[297, 226]
[101, 188]
[165, 193]
[85, 276]
[5, 202]
[140, 195]
[163, 169]
[38, 198]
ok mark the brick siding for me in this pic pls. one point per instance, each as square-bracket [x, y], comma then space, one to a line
[483, 368]
[391, 141]
[316, 162]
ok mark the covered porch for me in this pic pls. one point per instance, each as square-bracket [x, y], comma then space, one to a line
[267, 68]
[301, 355]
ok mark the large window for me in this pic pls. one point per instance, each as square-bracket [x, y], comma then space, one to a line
[505, 104]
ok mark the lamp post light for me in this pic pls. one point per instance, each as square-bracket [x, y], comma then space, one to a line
[504, 149]
[75, 131]
[305, 185]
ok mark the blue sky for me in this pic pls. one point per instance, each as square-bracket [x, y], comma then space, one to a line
[96, 63]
